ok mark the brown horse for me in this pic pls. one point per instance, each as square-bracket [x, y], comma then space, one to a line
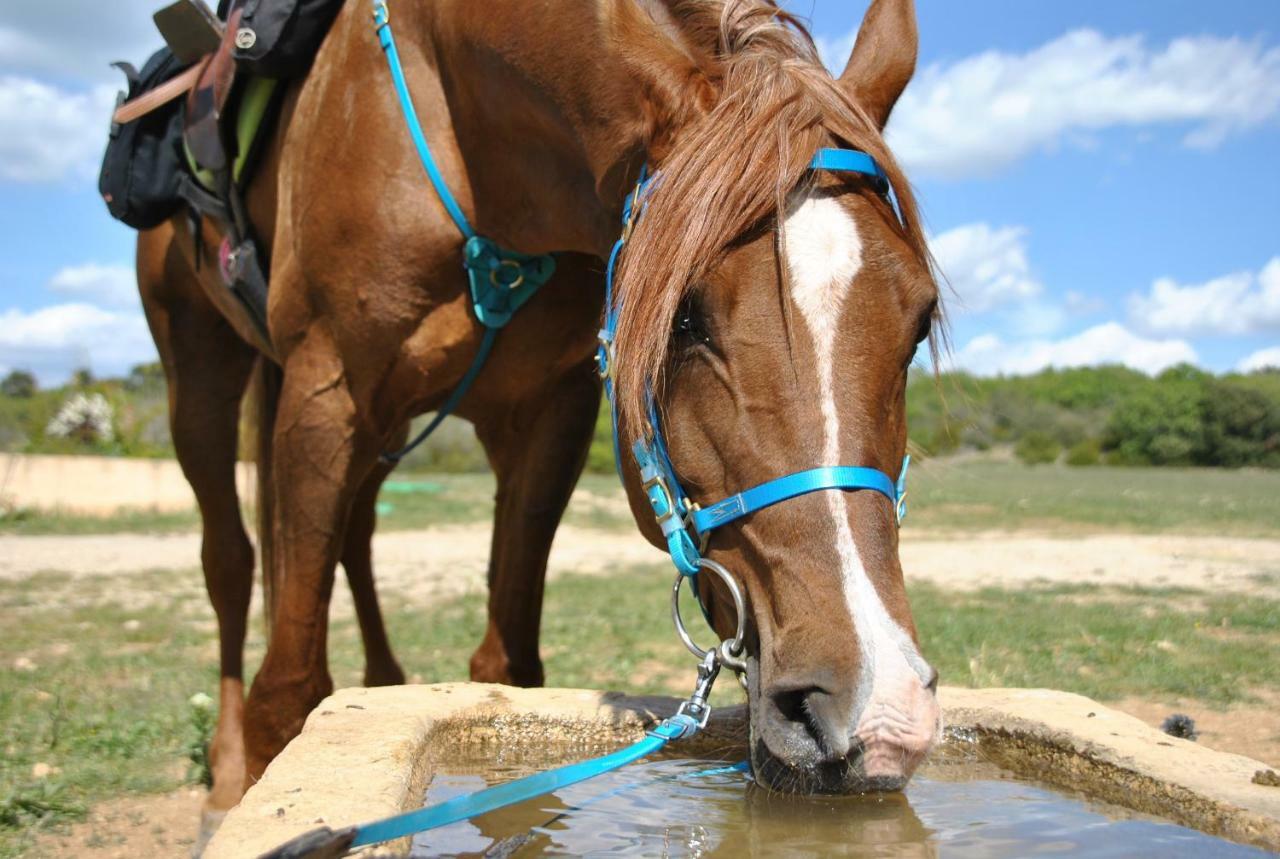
[754, 291]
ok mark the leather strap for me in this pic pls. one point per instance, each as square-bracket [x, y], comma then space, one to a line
[175, 87]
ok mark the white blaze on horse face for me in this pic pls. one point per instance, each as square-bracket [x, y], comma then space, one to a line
[824, 255]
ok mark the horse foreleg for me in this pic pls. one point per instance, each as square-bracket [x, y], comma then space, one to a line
[537, 449]
[322, 452]
[380, 666]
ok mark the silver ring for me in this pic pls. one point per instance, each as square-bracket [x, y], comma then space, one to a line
[730, 650]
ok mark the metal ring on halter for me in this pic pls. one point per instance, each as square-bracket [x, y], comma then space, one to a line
[729, 650]
[507, 263]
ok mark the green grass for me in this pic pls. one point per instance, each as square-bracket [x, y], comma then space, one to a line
[100, 689]
[964, 495]
[987, 495]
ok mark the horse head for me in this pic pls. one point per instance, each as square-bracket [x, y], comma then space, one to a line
[767, 316]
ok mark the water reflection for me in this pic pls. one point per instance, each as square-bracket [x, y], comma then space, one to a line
[872, 825]
[674, 808]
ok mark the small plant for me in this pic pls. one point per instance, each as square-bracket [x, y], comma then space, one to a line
[1180, 725]
[203, 719]
[1085, 452]
[86, 418]
[36, 802]
[1037, 447]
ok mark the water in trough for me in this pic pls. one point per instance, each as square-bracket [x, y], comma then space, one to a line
[956, 806]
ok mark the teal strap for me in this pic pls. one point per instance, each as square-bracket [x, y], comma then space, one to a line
[382, 22]
[501, 281]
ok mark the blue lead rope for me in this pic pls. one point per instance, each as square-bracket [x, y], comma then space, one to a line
[501, 280]
[514, 792]
[688, 721]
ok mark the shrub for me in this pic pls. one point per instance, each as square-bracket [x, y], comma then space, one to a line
[1036, 448]
[86, 418]
[1085, 452]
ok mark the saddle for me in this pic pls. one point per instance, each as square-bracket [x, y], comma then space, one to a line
[226, 68]
[207, 85]
[216, 148]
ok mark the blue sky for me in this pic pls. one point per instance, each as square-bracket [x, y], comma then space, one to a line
[1101, 180]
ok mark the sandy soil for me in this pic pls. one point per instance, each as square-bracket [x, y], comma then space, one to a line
[130, 828]
[453, 559]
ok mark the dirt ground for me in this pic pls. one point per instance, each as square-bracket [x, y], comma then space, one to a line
[130, 828]
[453, 559]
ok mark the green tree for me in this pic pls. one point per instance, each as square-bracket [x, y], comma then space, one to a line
[19, 384]
[1162, 423]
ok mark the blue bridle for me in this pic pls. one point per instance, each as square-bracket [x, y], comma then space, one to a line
[679, 517]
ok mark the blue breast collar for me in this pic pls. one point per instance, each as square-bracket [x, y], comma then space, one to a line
[679, 517]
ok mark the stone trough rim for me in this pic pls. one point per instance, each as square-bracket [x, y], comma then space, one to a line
[373, 746]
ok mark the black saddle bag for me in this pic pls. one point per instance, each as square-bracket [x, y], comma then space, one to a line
[279, 38]
[142, 169]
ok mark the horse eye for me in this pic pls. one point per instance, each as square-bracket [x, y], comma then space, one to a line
[689, 327]
[925, 325]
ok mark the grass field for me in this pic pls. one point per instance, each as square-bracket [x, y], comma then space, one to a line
[944, 494]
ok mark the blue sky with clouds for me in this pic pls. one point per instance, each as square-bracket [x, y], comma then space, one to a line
[1100, 179]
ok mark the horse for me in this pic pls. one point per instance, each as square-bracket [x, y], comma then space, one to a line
[768, 314]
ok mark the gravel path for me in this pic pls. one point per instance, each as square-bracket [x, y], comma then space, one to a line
[452, 560]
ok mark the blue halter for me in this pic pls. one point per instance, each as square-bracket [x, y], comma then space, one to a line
[676, 513]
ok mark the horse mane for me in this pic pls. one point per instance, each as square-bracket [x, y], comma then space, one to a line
[732, 166]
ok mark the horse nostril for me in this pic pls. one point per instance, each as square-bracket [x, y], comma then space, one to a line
[791, 705]
[809, 713]
[932, 685]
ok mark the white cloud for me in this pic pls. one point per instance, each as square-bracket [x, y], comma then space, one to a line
[1238, 303]
[76, 39]
[48, 134]
[987, 267]
[1109, 343]
[835, 50]
[986, 111]
[1261, 359]
[110, 286]
[54, 341]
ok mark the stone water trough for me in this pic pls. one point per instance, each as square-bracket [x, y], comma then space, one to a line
[368, 753]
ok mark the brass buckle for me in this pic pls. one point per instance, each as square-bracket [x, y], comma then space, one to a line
[381, 14]
[703, 537]
[661, 483]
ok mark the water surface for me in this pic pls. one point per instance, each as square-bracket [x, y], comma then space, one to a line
[673, 808]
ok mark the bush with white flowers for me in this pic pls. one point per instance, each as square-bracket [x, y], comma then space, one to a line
[85, 418]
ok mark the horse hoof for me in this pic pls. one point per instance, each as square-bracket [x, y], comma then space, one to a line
[209, 823]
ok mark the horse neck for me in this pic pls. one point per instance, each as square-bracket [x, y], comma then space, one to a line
[548, 115]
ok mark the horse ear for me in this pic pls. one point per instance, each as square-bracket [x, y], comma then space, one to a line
[673, 84]
[884, 57]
